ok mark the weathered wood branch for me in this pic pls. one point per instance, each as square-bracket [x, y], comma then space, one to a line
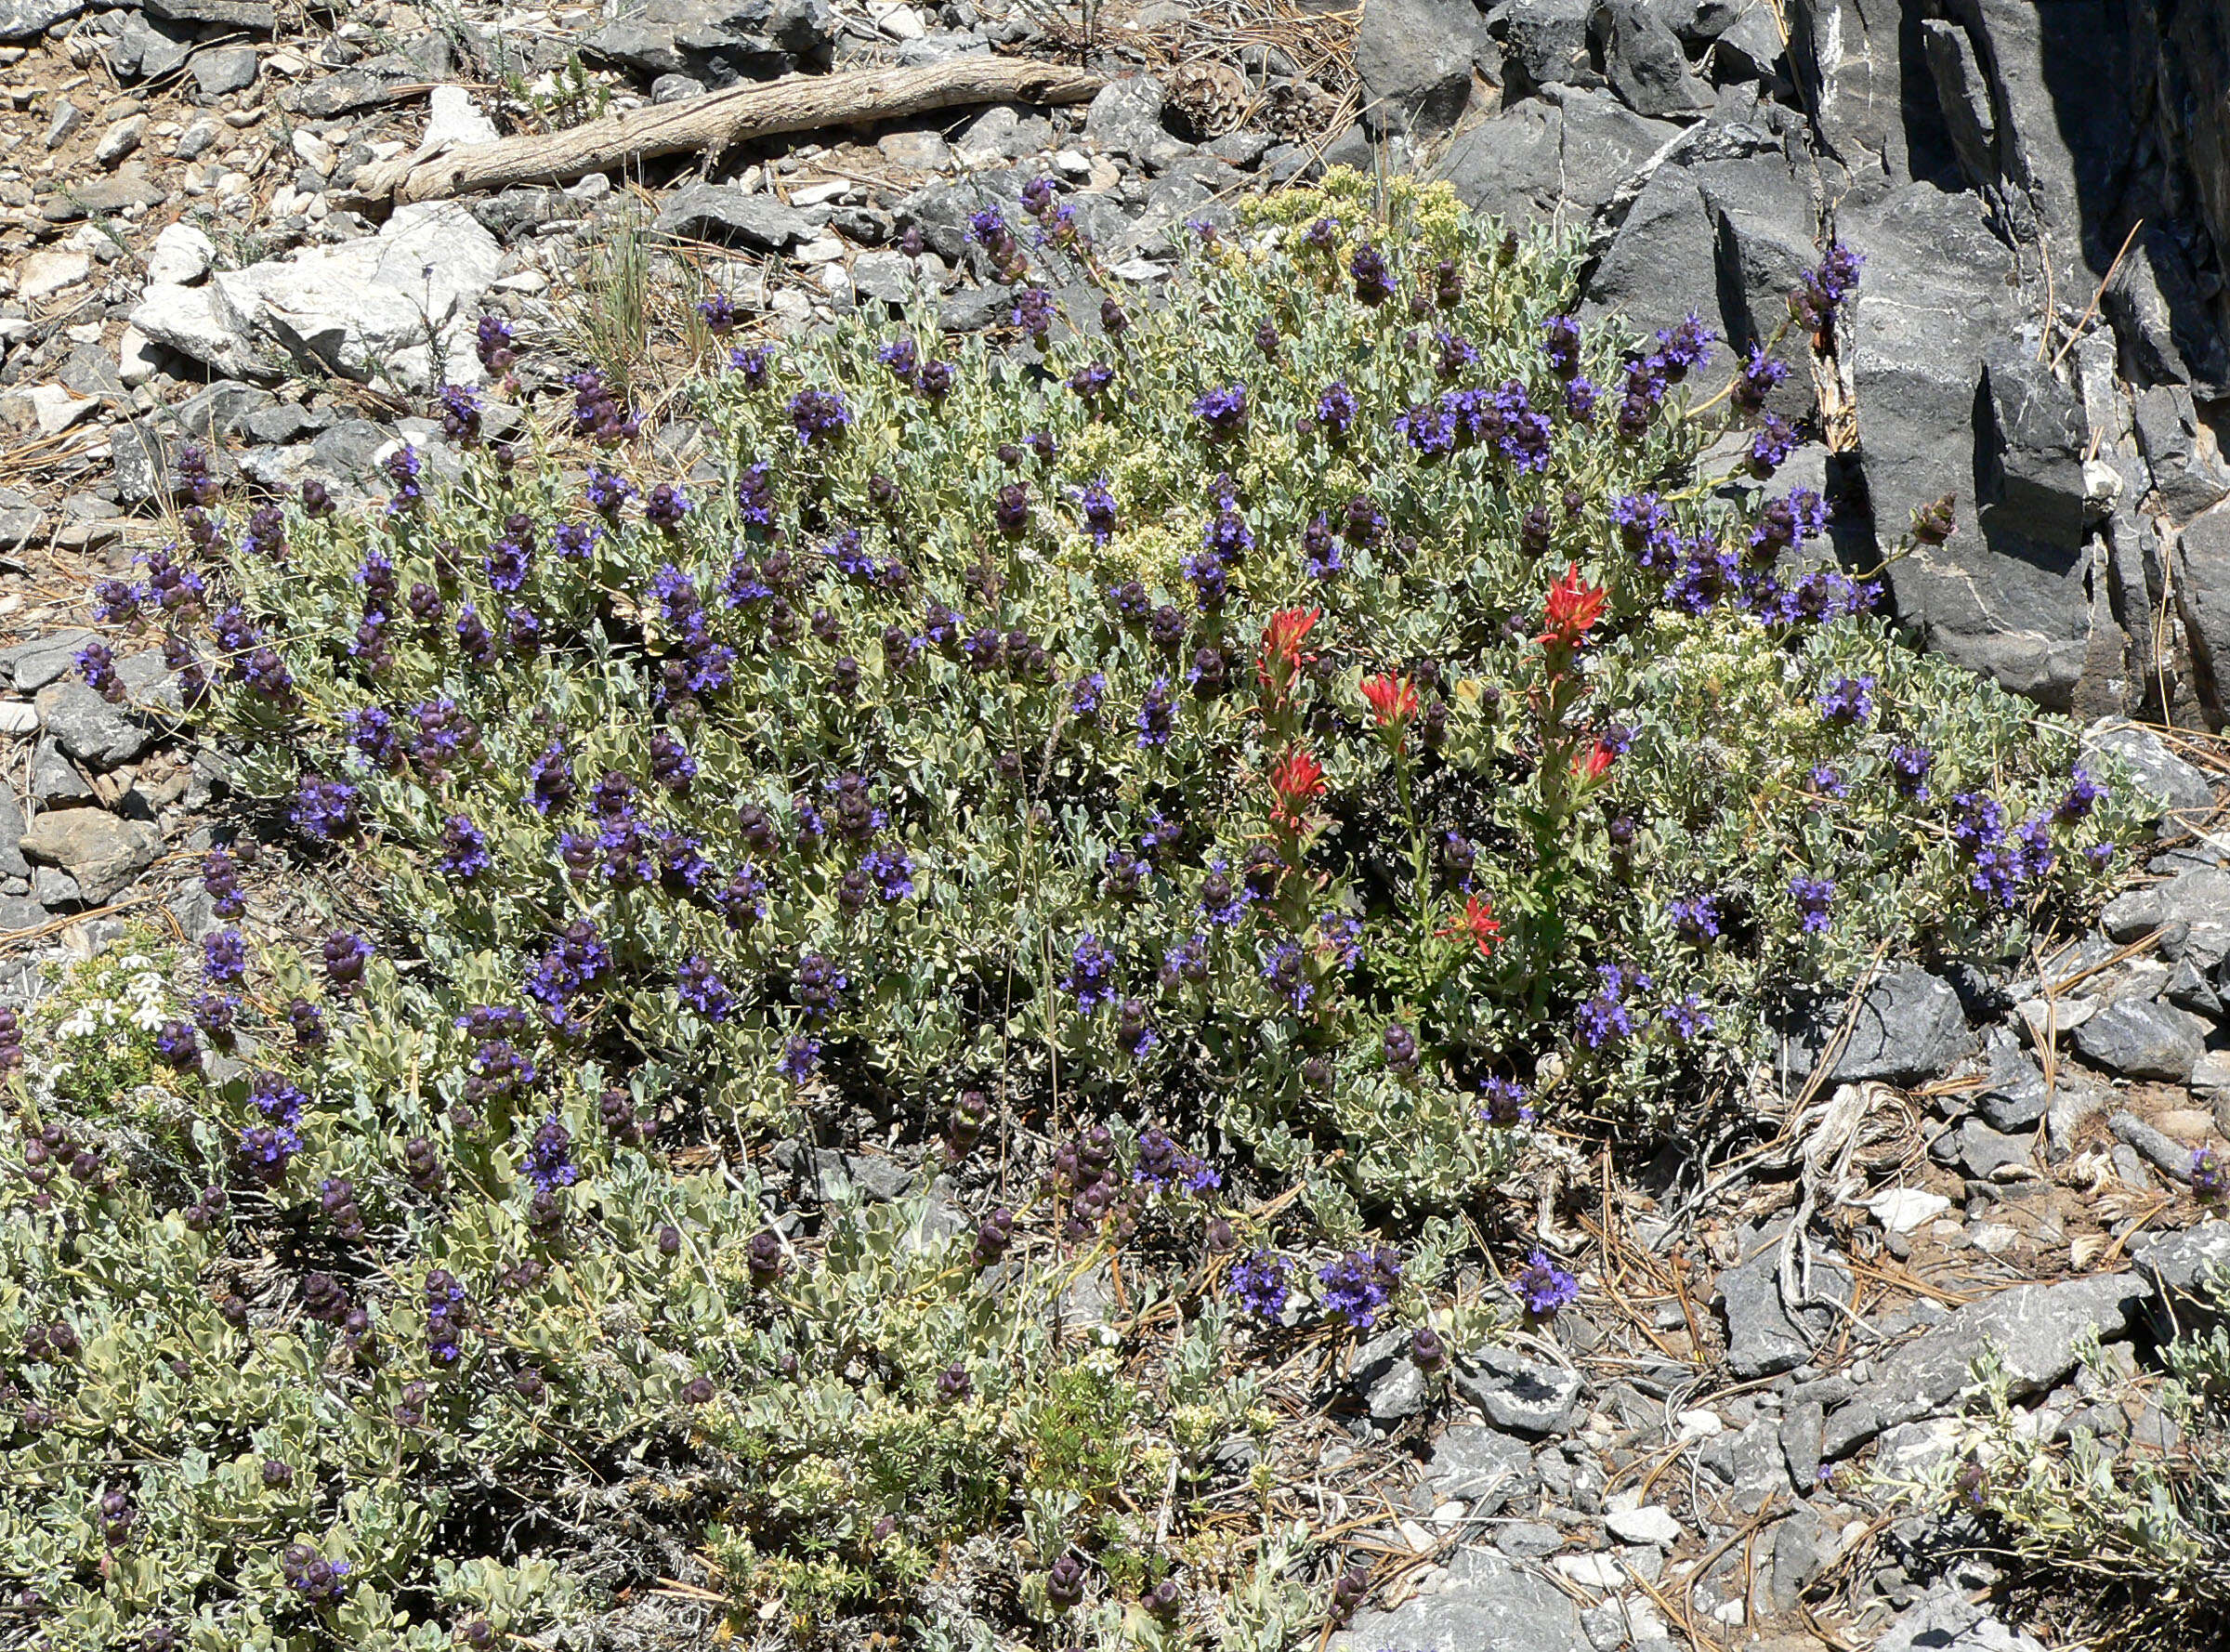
[795, 103]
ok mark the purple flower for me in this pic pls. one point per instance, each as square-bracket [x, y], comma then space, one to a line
[607, 490]
[818, 416]
[460, 413]
[1770, 445]
[1320, 553]
[1908, 767]
[701, 989]
[1579, 398]
[1813, 896]
[1091, 977]
[1696, 918]
[494, 342]
[1284, 967]
[1099, 504]
[464, 850]
[1686, 345]
[1543, 1287]
[1827, 783]
[1032, 313]
[800, 1056]
[1135, 1035]
[1848, 701]
[323, 809]
[1359, 1285]
[1157, 715]
[750, 362]
[665, 508]
[1222, 411]
[1686, 1016]
[1374, 280]
[718, 313]
[892, 869]
[1501, 1101]
[2083, 793]
[549, 1162]
[1260, 1284]
[1606, 1015]
[1757, 379]
[1560, 344]
[1825, 289]
[97, 666]
[1336, 409]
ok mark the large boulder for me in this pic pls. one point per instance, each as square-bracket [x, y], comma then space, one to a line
[1560, 156]
[1414, 59]
[100, 851]
[398, 308]
[2203, 602]
[718, 42]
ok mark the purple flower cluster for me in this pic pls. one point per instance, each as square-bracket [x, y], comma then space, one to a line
[1261, 1284]
[1543, 1287]
[1607, 1016]
[1359, 1285]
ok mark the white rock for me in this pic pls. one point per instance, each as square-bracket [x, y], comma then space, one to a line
[181, 255]
[452, 122]
[836, 283]
[134, 359]
[1590, 1571]
[314, 152]
[1073, 164]
[45, 274]
[920, 151]
[900, 22]
[521, 281]
[1701, 1424]
[18, 716]
[1903, 1209]
[120, 139]
[2072, 1013]
[819, 194]
[372, 310]
[821, 249]
[1652, 1524]
[56, 409]
[2211, 1076]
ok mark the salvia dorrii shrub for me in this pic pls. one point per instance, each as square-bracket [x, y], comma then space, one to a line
[1322, 730]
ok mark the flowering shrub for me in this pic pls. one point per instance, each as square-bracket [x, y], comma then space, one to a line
[1314, 730]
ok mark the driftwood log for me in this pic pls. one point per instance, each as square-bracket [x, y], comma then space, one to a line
[795, 103]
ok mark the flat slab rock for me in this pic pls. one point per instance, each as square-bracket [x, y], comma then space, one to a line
[2034, 1327]
[1521, 1396]
[1488, 1604]
[1908, 1025]
[100, 851]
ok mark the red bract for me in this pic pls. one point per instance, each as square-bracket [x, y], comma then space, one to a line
[1393, 700]
[1572, 609]
[1297, 779]
[1594, 762]
[1281, 639]
[1479, 922]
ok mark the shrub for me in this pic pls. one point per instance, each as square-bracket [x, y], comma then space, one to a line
[1301, 732]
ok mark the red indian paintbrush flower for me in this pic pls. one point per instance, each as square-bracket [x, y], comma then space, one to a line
[1297, 779]
[1393, 700]
[1592, 764]
[1281, 639]
[1573, 606]
[1479, 923]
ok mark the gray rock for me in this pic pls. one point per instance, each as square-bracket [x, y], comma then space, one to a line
[2163, 778]
[2138, 1039]
[1763, 1336]
[20, 912]
[2034, 1327]
[56, 891]
[1980, 1149]
[2016, 1097]
[1643, 60]
[2189, 988]
[88, 728]
[1939, 295]
[224, 69]
[277, 423]
[1486, 1601]
[1243, 149]
[100, 851]
[1909, 1026]
[2166, 1154]
[730, 216]
[12, 864]
[2030, 485]
[1945, 1621]
[675, 89]
[1125, 118]
[26, 20]
[1802, 1545]
[344, 92]
[1414, 59]
[32, 665]
[2183, 1269]
[2203, 603]
[1800, 1431]
[258, 17]
[2184, 482]
[2200, 897]
[146, 49]
[1522, 1396]
[55, 781]
[1529, 1540]
[1560, 157]
[1483, 1467]
[718, 42]
[1545, 43]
